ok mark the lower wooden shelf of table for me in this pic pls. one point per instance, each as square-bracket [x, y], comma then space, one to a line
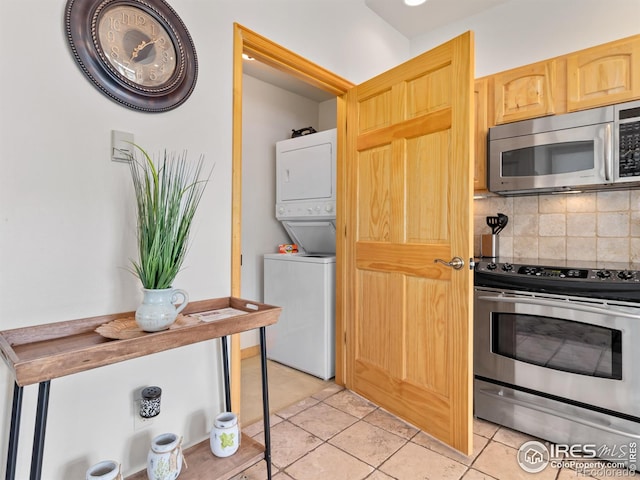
[201, 463]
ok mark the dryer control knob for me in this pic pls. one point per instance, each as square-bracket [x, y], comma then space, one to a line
[329, 208]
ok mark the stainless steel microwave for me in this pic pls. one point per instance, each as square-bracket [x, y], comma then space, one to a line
[587, 150]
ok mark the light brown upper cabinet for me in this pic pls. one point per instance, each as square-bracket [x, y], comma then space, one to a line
[524, 92]
[597, 76]
[481, 101]
[604, 75]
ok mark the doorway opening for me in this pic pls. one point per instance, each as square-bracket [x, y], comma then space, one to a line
[268, 53]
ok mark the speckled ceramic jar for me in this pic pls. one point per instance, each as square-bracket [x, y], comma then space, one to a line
[106, 470]
[150, 402]
[164, 461]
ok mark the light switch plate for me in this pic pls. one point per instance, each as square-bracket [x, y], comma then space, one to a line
[121, 146]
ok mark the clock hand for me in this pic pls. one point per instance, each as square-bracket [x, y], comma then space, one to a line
[140, 47]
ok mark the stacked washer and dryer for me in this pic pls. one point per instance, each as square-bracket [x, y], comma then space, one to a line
[303, 283]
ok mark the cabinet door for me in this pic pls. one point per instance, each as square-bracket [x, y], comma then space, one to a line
[525, 92]
[604, 75]
[482, 127]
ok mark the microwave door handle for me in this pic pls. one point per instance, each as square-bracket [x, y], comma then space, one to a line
[560, 304]
[608, 148]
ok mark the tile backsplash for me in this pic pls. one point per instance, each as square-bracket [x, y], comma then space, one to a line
[599, 226]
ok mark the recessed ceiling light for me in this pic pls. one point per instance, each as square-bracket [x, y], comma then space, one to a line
[414, 3]
[247, 57]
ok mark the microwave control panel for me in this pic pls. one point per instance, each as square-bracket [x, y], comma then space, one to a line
[629, 164]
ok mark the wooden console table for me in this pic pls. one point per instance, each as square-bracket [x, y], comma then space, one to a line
[41, 353]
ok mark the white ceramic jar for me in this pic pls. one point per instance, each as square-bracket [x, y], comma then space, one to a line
[105, 470]
[164, 461]
[225, 435]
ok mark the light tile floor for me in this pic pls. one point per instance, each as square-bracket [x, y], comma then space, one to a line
[335, 434]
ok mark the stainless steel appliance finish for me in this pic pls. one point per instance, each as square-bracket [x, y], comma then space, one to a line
[556, 351]
[588, 150]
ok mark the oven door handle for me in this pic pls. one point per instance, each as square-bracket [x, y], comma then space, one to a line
[566, 304]
[574, 418]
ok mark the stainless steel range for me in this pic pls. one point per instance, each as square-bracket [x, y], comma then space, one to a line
[557, 352]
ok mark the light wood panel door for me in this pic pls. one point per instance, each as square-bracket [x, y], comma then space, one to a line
[525, 92]
[409, 186]
[604, 75]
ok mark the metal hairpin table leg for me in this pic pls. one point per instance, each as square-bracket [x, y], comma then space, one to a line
[41, 424]
[225, 362]
[14, 433]
[265, 401]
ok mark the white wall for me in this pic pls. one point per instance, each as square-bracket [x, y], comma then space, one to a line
[269, 114]
[525, 31]
[67, 230]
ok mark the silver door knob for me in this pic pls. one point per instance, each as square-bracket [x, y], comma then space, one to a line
[456, 262]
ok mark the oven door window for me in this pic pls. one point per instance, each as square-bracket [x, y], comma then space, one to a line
[559, 344]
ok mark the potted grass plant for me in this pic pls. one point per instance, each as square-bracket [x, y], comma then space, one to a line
[167, 196]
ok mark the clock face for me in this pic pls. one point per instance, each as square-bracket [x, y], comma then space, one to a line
[137, 52]
[136, 45]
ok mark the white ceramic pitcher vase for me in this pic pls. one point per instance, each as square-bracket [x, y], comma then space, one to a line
[158, 311]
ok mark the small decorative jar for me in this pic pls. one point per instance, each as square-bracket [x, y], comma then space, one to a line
[106, 470]
[225, 435]
[150, 402]
[164, 461]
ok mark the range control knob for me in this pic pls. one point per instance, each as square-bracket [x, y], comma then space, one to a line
[492, 266]
[603, 274]
[625, 275]
[507, 267]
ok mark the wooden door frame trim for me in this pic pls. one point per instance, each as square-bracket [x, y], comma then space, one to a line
[272, 54]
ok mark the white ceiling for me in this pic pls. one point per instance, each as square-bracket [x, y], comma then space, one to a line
[409, 21]
[413, 21]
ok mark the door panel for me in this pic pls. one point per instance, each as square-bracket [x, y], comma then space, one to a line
[427, 336]
[374, 181]
[408, 197]
[427, 160]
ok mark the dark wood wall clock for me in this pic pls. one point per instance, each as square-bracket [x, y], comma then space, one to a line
[137, 52]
